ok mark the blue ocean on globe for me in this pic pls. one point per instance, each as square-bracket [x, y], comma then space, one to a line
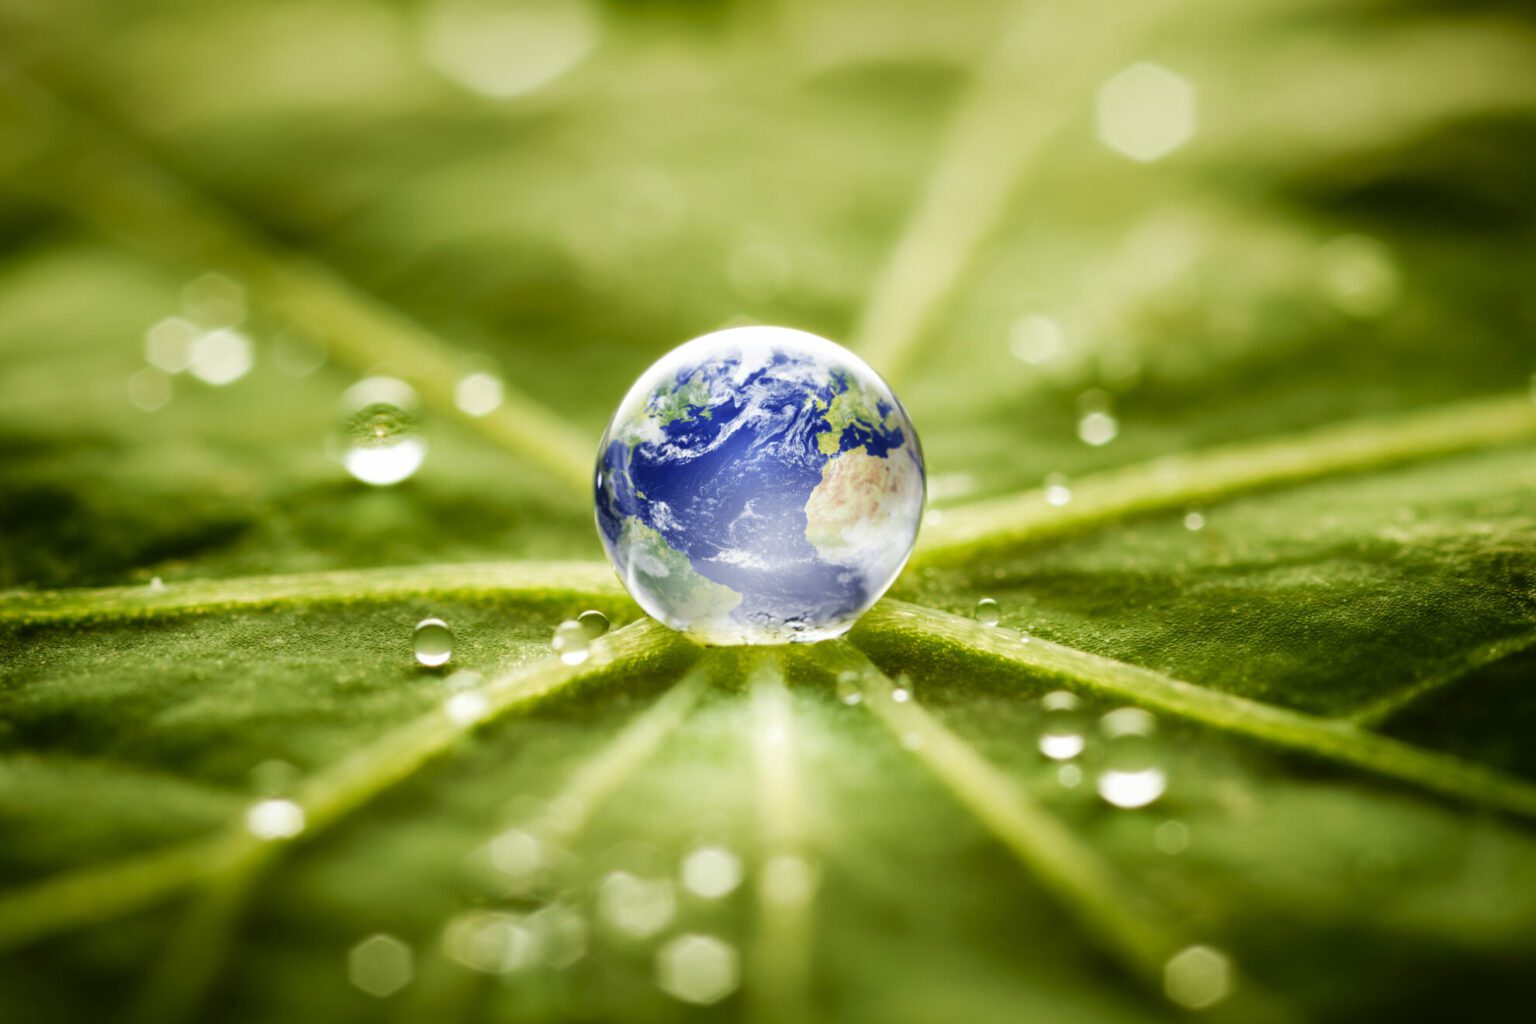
[759, 485]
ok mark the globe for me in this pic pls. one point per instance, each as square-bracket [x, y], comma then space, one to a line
[759, 485]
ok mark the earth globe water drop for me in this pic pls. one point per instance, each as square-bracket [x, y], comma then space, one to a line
[759, 485]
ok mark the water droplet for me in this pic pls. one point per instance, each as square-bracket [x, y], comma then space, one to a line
[1146, 112]
[274, 819]
[1131, 774]
[478, 394]
[168, 344]
[490, 942]
[433, 642]
[699, 969]
[273, 777]
[987, 612]
[848, 688]
[711, 872]
[221, 357]
[1057, 493]
[571, 642]
[594, 622]
[1172, 837]
[1069, 776]
[381, 965]
[296, 355]
[1061, 726]
[214, 300]
[1194, 521]
[788, 880]
[1036, 339]
[637, 907]
[156, 584]
[382, 442]
[466, 708]
[901, 693]
[1097, 429]
[912, 740]
[1198, 977]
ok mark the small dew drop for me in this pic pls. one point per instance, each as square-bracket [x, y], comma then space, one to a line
[273, 777]
[594, 622]
[274, 819]
[156, 584]
[380, 965]
[1057, 493]
[901, 693]
[381, 434]
[571, 642]
[1097, 429]
[1198, 977]
[848, 689]
[433, 643]
[698, 969]
[1070, 776]
[711, 872]
[168, 344]
[987, 612]
[1061, 726]
[1194, 521]
[478, 394]
[1131, 774]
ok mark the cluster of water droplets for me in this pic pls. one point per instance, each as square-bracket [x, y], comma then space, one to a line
[204, 340]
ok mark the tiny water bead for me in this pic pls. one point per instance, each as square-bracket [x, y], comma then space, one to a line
[987, 612]
[901, 692]
[571, 642]
[274, 819]
[433, 643]
[711, 872]
[1061, 726]
[1194, 520]
[849, 690]
[1131, 774]
[699, 969]
[381, 440]
[1057, 493]
[1198, 977]
[594, 622]
[759, 485]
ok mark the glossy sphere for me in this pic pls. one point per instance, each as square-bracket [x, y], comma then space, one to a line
[759, 485]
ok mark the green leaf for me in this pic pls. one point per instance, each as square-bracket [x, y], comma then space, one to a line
[1308, 549]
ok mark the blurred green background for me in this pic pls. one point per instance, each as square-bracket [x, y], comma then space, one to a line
[1075, 236]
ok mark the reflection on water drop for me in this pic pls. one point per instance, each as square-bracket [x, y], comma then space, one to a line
[380, 965]
[711, 872]
[902, 691]
[478, 394]
[848, 689]
[699, 969]
[1061, 726]
[571, 642]
[156, 584]
[383, 446]
[987, 612]
[432, 642]
[1194, 521]
[1198, 977]
[149, 389]
[634, 906]
[594, 622]
[1057, 493]
[1070, 776]
[1131, 774]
